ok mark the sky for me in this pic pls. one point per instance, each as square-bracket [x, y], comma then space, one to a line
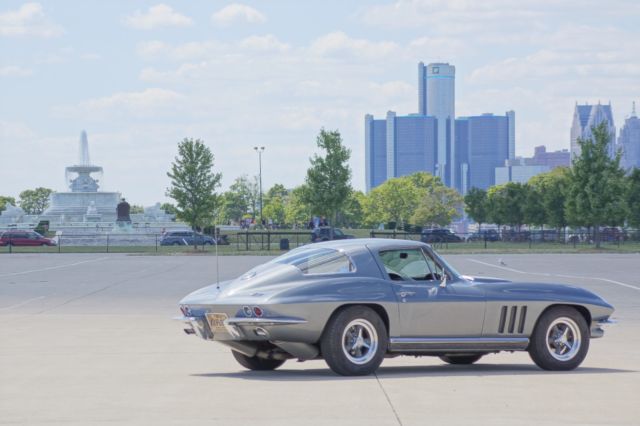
[139, 76]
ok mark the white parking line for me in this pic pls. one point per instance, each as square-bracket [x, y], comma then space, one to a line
[557, 275]
[12, 274]
[17, 305]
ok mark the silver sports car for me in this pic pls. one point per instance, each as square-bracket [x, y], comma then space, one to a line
[355, 302]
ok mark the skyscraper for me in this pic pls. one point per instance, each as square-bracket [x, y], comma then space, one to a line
[398, 146]
[488, 143]
[629, 141]
[375, 149]
[586, 117]
[436, 98]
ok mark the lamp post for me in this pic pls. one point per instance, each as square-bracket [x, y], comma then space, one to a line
[260, 150]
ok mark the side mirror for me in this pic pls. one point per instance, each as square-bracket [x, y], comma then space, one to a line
[443, 283]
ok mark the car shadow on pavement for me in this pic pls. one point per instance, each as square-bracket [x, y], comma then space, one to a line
[475, 370]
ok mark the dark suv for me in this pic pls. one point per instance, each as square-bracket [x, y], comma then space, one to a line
[439, 235]
[24, 238]
[186, 238]
[323, 233]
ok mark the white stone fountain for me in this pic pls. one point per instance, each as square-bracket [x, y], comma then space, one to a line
[84, 203]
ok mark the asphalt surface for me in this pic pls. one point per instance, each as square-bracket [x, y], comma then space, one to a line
[89, 339]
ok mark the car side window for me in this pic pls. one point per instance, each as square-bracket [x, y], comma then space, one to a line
[407, 265]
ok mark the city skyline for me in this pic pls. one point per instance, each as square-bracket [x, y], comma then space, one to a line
[141, 77]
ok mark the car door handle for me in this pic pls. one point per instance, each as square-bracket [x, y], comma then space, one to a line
[404, 294]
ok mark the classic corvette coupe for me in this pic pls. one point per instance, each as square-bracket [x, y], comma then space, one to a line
[355, 302]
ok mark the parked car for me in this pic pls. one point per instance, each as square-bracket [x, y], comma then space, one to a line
[24, 238]
[186, 238]
[323, 233]
[355, 302]
[484, 235]
[439, 235]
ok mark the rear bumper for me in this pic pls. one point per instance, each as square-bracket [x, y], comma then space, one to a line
[597, 330]
[238, 328]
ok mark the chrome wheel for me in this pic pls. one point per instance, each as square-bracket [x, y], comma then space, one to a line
[563, 339]
[359, 341]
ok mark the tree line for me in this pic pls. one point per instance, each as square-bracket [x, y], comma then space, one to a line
[419, 198]
[594, 192]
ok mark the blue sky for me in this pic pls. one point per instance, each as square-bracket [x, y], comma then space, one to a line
[141, 75]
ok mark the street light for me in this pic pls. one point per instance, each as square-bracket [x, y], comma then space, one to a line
[260, 150]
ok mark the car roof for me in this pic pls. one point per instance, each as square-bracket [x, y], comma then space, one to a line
[372, 243]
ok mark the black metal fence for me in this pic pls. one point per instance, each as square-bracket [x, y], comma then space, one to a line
[280, 240]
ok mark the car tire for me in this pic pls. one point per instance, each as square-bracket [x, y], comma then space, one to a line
[461, 359]
[354, 341]
[560, 339]
[256, 363]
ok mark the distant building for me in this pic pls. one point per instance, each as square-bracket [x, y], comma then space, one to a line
[375, 148]
[436, 98]
[399, 146]
[485, 143]
[517, 170]
[541, 157]
[585, 117]
[629, 141]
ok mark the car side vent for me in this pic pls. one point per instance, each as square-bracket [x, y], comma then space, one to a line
[509, 317]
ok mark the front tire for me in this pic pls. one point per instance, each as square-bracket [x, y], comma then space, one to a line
[560, 340]
[460, 359]
[355, 341]
[255, 363]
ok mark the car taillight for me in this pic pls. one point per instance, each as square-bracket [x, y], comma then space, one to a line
[257, 310]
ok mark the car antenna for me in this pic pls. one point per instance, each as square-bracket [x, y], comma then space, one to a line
[216, 234]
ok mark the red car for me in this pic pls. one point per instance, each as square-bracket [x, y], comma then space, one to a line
[24, 238]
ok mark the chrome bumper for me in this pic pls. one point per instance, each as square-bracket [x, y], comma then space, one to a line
[596, 327]
[238, 328]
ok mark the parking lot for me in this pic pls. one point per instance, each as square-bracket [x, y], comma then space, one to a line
[89, 339]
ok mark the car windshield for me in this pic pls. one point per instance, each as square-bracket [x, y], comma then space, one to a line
[317, 261]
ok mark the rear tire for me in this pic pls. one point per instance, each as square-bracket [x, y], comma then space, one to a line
[255, 363]
[560, 340]
[460, 359]
[355, 341]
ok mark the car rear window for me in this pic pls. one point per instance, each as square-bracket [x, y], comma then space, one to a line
[318, 261]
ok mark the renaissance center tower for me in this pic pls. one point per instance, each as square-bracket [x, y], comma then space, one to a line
[436, 83]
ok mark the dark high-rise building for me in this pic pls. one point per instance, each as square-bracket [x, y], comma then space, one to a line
[629, 141]
[585, 117]
[399, 146]
[488, 142]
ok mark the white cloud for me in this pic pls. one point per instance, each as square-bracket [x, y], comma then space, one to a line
[339, 44]
[157, 16]
[237, 12]
[266, 43]
[28, 20]
[148, 103]
[15, 71]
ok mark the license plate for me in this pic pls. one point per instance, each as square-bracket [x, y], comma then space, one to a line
[216, 321]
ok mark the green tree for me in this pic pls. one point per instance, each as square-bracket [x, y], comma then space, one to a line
[506, 204]
[4, 200]
[352, 214]
[169, 208]
[35, 201]
[241, 199]
[633, 198]
[533, 209]
[274, 203]
[597, 186]
[136, 209]
[477, 205]
[193, 183]
[327, 184]
[393, 201]
[552, 187]
[296, 212]
[437, 204]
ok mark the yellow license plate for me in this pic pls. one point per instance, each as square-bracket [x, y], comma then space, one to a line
[216, 321]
